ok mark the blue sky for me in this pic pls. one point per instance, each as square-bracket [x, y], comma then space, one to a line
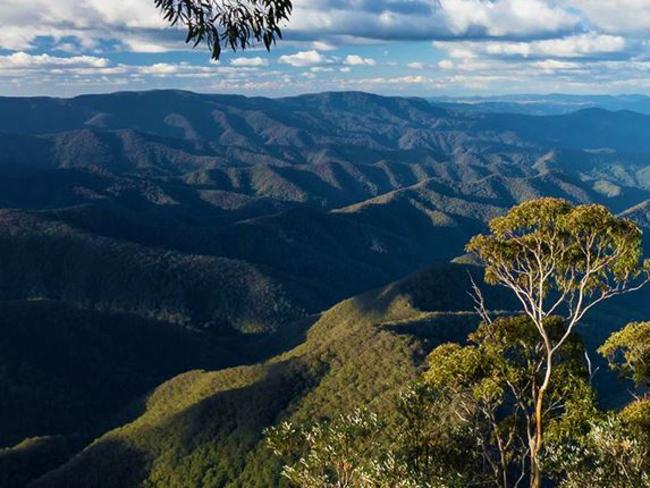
[409, 47]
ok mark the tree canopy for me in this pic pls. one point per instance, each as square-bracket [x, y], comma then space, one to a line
[487, 385]
[467, 420]
[559, 259]
[513, 405]
[628, 352]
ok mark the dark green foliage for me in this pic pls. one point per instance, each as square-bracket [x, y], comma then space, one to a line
[430, 440]
[168, 231]
[205, 425]
[51, 260]
[558, 259]
[628, 351]
[69, 371]
[33, 457]
[611, 452]
[466, 423]
[351, 450]
[486, 388]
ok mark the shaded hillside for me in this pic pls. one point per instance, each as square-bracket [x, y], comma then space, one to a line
[166, 231]
[45, 259]
[204, 427]
[34, 457]
[252, 276]
[69, 371]
[591, 128]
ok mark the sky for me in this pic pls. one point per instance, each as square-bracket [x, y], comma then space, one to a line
[403, 47]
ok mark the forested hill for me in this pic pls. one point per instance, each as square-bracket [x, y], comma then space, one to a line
[160, 232]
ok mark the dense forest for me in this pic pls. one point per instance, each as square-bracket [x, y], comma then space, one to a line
[514, 405]
[323, 290]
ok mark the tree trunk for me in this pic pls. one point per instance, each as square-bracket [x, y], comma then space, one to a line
[536, 444]
[535, 472]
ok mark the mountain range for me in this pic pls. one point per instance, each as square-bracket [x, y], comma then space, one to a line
[551, 104]
[179, 271]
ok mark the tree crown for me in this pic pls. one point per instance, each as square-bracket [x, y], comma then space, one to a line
[628, 351]
[575, 255]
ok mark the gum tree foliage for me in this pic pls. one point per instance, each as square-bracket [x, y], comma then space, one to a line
[431, 441]
[611, 454]
[559, 259]
[485, 388]
[345, 452]
[466, 423]
[628, 352]
[615, 450]
[237, 24]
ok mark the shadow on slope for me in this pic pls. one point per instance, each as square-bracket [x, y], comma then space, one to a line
[34, 457]
[49, 259]
[204, 428]
[69, 371]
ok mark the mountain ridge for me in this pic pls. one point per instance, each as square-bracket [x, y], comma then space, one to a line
[256, 233]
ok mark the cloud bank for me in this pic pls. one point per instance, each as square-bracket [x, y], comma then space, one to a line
[404, 46]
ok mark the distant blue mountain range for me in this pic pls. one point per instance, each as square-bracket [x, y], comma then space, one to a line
[552, 104]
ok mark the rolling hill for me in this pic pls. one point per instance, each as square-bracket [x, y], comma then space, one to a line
[176, 269]
[205, 427]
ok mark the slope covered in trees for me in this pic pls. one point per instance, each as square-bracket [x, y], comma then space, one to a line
[206, 427]
[223, 225]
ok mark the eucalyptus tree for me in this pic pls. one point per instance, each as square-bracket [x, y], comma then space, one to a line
[559, 259]
[348, 451]
[628, 352]
[615, 449]
[611, 454]
[486, 385]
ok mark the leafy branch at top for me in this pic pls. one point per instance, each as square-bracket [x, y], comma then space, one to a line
[238, 24]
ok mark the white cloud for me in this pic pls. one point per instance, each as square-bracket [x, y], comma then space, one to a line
[145, 44]
[356, 60]
[397, 80]
[566, 47]
[507, 17]
[303, 59]
[160, 69]
[554, 64]
[416, 65]
[88, 20]
[323, 46]
[250, 62]
[581, 45]
[631, 17]
[23, 60]
[422, 19]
